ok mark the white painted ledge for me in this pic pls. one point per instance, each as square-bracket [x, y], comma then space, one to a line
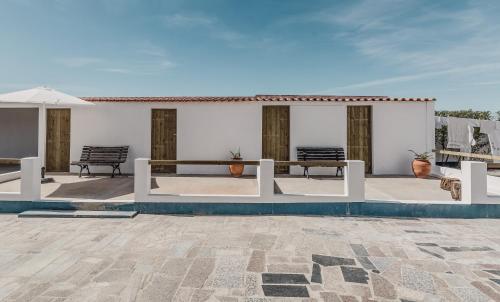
[354, 188]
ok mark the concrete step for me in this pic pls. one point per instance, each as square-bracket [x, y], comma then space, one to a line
[77, 214]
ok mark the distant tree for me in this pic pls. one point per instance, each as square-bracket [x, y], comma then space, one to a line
[498, 115]
[478, 115]
[482, 145]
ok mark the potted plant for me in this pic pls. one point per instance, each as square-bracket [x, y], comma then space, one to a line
[236, 169]
[421, 165]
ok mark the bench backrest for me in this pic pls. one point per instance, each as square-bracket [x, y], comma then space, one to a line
[95, 154]
[320, 153]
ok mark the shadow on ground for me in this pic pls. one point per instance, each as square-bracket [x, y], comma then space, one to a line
[98, 188]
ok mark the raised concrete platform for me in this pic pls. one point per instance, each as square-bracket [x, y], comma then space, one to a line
[77, 214]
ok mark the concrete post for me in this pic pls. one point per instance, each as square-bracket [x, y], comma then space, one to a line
[42, 133]
[354, 180]
[31, 178]
[265, 178]
[142, 179]
[474, 181]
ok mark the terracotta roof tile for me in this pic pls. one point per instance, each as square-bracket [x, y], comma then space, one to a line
[258, 98]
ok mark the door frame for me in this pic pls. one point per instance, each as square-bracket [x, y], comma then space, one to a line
[158, 169]
[371, 135]
[46, 150]
[284, 169]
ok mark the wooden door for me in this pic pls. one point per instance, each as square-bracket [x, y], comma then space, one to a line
[276, 135]
[57, 144]
[164, 138]
[359, 135]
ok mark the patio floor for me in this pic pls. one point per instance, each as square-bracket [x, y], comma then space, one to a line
[249, 259]
[395, 188]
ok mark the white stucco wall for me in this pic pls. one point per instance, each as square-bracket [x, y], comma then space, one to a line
[204, 131]
[317, 126]
[398, 127]
[209, 131]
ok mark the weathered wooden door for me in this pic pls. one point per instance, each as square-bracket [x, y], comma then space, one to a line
[164, 138]
[359, 134]
[276, 135]
[57, 141]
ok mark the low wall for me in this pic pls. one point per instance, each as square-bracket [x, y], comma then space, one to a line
[10, 176]
[30, 181]
[354, 187]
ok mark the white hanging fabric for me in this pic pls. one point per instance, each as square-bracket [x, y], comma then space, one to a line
[440, 121]
[461, 133]
[492, 129]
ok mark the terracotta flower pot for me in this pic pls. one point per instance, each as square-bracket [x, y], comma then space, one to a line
[421, 168]
[236, 169]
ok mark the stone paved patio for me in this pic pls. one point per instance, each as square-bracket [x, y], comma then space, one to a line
[266, 258]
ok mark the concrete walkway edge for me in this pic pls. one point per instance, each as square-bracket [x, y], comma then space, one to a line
[373, 209]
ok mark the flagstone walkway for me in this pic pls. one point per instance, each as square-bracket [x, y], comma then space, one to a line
[243, 258]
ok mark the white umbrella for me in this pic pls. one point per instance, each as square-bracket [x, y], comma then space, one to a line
[42, 95]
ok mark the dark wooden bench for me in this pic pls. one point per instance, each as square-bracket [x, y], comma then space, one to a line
[321, 153]
[102, 156]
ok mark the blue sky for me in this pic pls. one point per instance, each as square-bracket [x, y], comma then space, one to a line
[444, 49]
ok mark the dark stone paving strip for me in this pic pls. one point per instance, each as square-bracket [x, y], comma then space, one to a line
[272, 278]
[493, 271]
[257, 261]
[426, 244]
[285, 291]
[421, 232]
[431, 253]
[316, 274]
[332, 261]
[485, 289]
[467, 249]
[366, 263]
[359, 250]
[497, 281]
[354, 274]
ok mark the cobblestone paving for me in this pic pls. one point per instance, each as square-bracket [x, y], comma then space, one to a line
[174, 258]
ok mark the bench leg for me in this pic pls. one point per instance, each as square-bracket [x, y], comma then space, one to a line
[116, 167]
[88, 171]
[80, 174]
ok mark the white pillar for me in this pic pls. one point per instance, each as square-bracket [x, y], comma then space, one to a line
[265, 178]
[42, 133]
[354, 180]
[474, 181]
[142, 179]
[30, 178]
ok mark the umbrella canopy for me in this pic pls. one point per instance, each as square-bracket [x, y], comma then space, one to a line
[42, 95]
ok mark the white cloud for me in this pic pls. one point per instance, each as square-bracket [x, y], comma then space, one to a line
[213, 26]
[472, 69]
[116, 70]
[187, 20]
[420, 39]
[78, 61]
[148, 59]
[488, 83]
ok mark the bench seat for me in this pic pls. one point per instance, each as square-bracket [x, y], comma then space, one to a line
[321, 153]
[102, 156]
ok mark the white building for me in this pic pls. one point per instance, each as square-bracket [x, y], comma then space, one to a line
[382, 129]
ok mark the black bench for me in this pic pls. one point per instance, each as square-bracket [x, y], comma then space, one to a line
[321, 153]
[102, 156]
